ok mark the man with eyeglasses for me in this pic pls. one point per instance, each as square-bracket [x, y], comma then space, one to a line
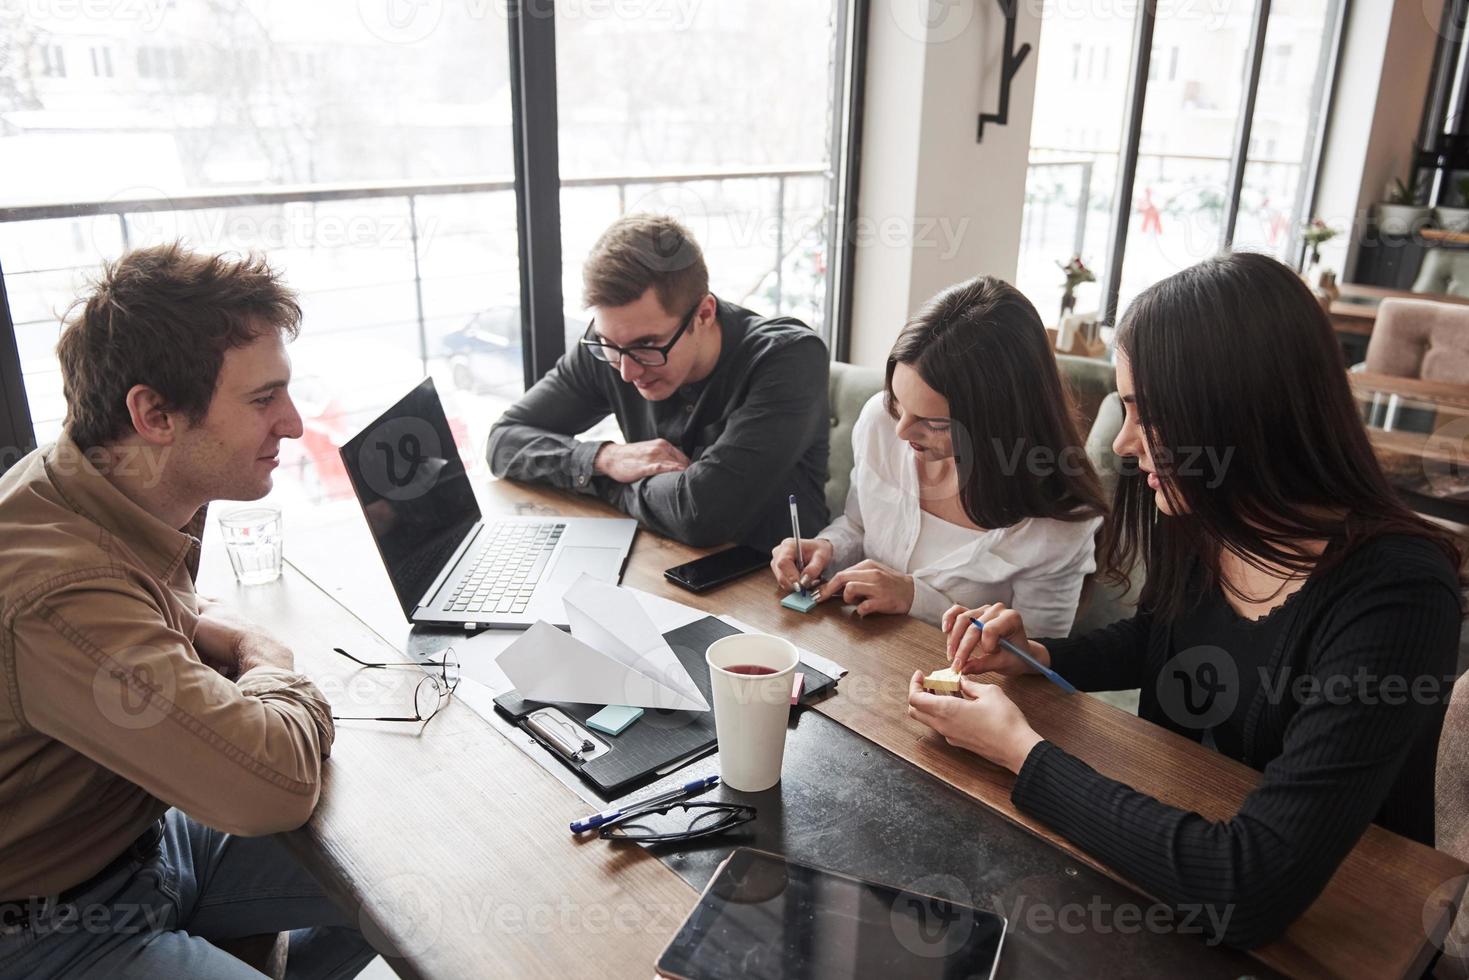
[724, 412]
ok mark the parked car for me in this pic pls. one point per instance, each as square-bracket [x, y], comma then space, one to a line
[484, 355]
[339, 387]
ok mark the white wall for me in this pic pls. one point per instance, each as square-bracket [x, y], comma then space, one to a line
[934, 206]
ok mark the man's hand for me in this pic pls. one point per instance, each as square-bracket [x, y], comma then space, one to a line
[816, 551]
[630, 462]
[232, 645]
[872, 587]
[985, 721]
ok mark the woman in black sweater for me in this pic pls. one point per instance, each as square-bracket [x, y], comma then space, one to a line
[1296, 616]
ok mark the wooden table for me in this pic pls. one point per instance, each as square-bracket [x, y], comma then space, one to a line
[1439, 236]
[450, 844]
[1446, 393]
[1420, 433]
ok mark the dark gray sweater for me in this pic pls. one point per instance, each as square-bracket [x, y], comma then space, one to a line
[755, 430]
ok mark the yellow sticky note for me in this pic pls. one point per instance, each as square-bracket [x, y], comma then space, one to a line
[942, 681]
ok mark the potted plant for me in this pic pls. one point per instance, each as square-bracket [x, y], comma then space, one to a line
[1076, 274]
[1401, 214]
[1455, 219]
[1315, 234]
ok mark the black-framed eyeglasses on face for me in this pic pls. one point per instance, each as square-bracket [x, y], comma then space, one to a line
[643, 354]
[677, 822]
[429, 696]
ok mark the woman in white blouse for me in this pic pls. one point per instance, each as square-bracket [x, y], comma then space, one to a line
[969, 481]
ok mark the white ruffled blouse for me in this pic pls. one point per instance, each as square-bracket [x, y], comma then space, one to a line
[1035, 566]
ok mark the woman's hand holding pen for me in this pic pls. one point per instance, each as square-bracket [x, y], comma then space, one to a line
[816, 551]
[975, 651]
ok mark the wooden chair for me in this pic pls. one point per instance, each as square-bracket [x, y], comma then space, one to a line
[1419, 338]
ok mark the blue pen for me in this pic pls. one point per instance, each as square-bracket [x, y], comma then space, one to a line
[1051, 675]
[691, 788]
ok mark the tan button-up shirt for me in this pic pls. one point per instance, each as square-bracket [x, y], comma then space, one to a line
[107, 715]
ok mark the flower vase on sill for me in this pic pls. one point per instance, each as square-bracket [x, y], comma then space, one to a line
[1314, 234]
[1076, 274]
[1326, 289]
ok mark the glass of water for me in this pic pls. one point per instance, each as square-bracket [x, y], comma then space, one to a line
[252, 536]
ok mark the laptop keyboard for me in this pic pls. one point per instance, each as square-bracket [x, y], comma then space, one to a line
[503, 576]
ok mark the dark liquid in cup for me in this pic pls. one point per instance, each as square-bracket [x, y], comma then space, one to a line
[750, 669]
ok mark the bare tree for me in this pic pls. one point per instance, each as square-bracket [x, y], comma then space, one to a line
[19, 39]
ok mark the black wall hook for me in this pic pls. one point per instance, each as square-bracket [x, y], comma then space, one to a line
[1013, 59]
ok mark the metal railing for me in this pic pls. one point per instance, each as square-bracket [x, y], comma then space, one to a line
[1086, 166]
[410, 192]
[1083, 202]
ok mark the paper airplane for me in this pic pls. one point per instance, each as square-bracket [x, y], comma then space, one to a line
[614, 655]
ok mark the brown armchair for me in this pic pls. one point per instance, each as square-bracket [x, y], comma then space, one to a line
[1418, 338]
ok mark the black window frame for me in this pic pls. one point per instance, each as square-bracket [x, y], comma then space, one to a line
[1140, 74]
[537, 185]
[16, 434]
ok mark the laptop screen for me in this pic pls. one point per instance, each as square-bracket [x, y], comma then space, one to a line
[413, 489]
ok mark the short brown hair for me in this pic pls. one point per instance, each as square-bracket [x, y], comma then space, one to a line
[642, 250]
[163, 317]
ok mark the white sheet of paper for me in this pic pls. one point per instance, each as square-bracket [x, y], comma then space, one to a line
[614, 655]
[546, 664]
[478, 653]
[612, 621]
[666, 614]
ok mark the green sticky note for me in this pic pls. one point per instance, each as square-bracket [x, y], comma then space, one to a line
[614, 719]
[800, 603]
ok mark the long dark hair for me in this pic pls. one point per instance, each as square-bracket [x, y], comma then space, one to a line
[981, 345]
[1234, 355]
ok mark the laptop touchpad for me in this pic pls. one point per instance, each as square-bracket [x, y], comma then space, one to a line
[600, 563]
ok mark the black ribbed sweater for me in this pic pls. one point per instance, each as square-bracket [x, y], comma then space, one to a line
[1333, 762]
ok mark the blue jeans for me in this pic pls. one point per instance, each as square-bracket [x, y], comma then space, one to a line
[156, 915]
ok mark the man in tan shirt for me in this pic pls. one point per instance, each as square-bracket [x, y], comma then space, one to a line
[149, 742]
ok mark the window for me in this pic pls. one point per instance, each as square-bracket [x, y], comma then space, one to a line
[1188, 132]
[390, 283]
[1275, 199]
[53, 61]
[1068, 188]
[1194, 188]
[372, 154]
[101, 62]
[739, 152]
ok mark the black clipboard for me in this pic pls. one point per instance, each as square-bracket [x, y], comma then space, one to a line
[657, 743]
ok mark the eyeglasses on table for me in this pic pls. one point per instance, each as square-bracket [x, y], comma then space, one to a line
[676, 821]
[429, 696]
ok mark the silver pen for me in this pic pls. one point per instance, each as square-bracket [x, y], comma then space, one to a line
[800, 558]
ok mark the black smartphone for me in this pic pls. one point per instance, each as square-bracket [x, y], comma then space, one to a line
[705, 573]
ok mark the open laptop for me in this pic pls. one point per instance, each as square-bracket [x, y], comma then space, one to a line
[448, 565]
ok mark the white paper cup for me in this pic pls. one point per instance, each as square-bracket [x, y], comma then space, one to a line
[751, 710]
